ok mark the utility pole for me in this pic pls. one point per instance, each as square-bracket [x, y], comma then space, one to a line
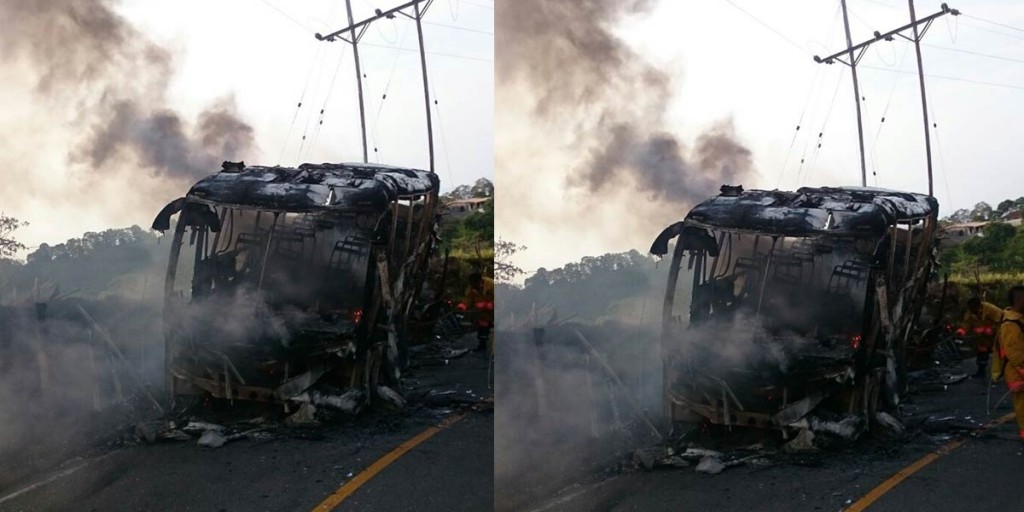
[854, 54]
[856, 96]
[423, 67]
[417, 16]
[924, 100]
[359, 78]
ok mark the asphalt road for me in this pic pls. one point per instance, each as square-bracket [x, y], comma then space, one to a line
[451, 470]
[984, 471]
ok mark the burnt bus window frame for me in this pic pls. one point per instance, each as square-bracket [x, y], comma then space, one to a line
[204, 251]
[729, 244]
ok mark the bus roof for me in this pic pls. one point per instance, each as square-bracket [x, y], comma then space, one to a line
[310, 187]
[857, 211]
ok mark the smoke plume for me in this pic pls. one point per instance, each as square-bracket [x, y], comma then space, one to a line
[569, 56]
[88, 107]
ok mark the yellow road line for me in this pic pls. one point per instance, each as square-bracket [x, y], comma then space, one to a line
[906, 472]
[357, 481]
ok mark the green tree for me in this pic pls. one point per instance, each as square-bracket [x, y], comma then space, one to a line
[482, 188]
[981, 212]
[8, 245]
[1004, 207]
[504, 270]
[958, 217]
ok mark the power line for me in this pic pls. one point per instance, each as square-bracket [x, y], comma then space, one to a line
[1011, 27]
[971, 52]
[997, 32]
[288, 16]
[821, 133]
[942, 159]
[456, 27]
[942, 77]
[384, 95]
[813, 88]
[309, 75]
[323, 107]
[885, 111]
[440, 129]
[884, 4]
[452, 55]
[769, 27]
[474, 4]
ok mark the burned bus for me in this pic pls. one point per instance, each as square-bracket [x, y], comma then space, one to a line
[793, 302]
[283, 281]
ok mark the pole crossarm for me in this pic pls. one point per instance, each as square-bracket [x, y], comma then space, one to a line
[389, 14]
[358, 37]
[888, 36]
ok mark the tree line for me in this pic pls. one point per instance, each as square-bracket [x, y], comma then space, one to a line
[984, 212]
[1000, 248]
[624, 286]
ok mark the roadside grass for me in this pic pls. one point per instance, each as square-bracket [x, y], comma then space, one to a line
[987, 278]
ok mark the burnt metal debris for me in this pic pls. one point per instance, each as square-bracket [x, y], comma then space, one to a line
[797, 302]
[296, 277]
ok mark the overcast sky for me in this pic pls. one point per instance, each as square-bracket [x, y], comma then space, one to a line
[262, 56]
[751, 62]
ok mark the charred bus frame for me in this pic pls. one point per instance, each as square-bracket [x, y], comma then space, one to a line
[299, 276]
[850, 268]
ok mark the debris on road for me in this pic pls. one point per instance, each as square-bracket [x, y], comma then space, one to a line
[803, 442]
[304, 416]
[710, 465]
[211, 439]
[349, 402]
[890, 422]
[390, 398]
[849, 428]
[934, 379]
[201, 427]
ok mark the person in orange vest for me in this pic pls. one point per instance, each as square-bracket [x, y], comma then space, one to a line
[980, 323]
[1011, 351]
[480, 299]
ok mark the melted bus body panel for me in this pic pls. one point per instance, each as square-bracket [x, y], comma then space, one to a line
[779, 303]
[280, 279]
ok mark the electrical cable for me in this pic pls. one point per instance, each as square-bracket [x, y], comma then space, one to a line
[309, 75]
[387, 87]
[971, 52]
[821, 133]
[456, 27]
[481, 59]
[943, 77]
[474, 4]
[810, 93]
[949, 28]
[1011, 27]
[317, 81]
[769, 27]
[290, 18]
[323, 108]
[885, 111]
[997, 32]
[799, 124]
[942, 158]
[440, 129]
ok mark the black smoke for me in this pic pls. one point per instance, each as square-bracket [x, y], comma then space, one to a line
[83, 55]
[567, 54]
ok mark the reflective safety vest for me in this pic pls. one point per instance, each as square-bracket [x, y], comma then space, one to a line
[1010, 348]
